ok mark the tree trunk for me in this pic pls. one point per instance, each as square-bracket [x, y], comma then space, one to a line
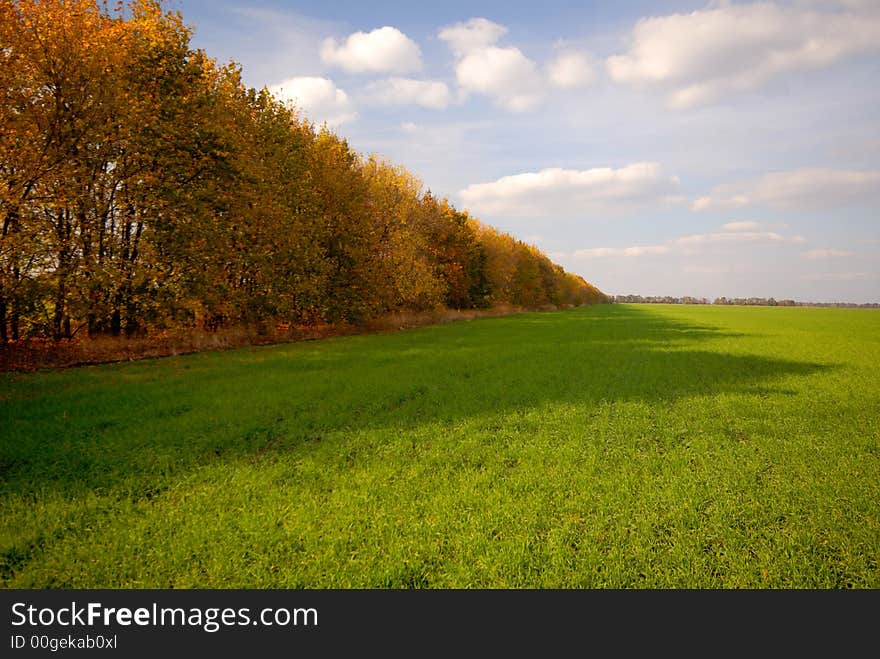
[116, 318]
[4, 338]
[13, 322]
[58, 314]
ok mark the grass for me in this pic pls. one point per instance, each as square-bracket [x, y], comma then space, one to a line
[612, 446]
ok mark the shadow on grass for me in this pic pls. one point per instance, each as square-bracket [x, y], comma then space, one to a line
[135, 429]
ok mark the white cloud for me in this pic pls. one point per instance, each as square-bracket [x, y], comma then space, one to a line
[741, 226]
[506, 75]
[605, 252]
[704, 55]
[691, 245]
[841, 276]
[318, 98]
[728, 237]
[406, 91]
[705, 203]
[385, 49]
[820, 254]
[555, 192]
[474, 34]
[798, 189]
[410, 127]
[570, 70]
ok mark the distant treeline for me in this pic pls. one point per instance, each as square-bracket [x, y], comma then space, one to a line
[143, 186]
[743, 301]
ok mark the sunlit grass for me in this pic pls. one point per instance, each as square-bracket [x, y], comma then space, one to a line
[611, 446]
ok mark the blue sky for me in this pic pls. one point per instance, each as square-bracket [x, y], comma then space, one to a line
[659, 148]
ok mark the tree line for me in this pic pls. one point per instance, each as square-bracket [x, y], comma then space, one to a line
[737, 301]
[144, 186]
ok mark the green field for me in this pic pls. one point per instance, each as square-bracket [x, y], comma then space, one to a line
[610, 446]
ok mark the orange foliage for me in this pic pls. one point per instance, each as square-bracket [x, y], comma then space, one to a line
[144, 189]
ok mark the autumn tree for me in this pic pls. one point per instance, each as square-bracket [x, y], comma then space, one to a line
[142, 186]
[459, 257]
[401, 262]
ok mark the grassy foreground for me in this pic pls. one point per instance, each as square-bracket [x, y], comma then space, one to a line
[610, 446]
